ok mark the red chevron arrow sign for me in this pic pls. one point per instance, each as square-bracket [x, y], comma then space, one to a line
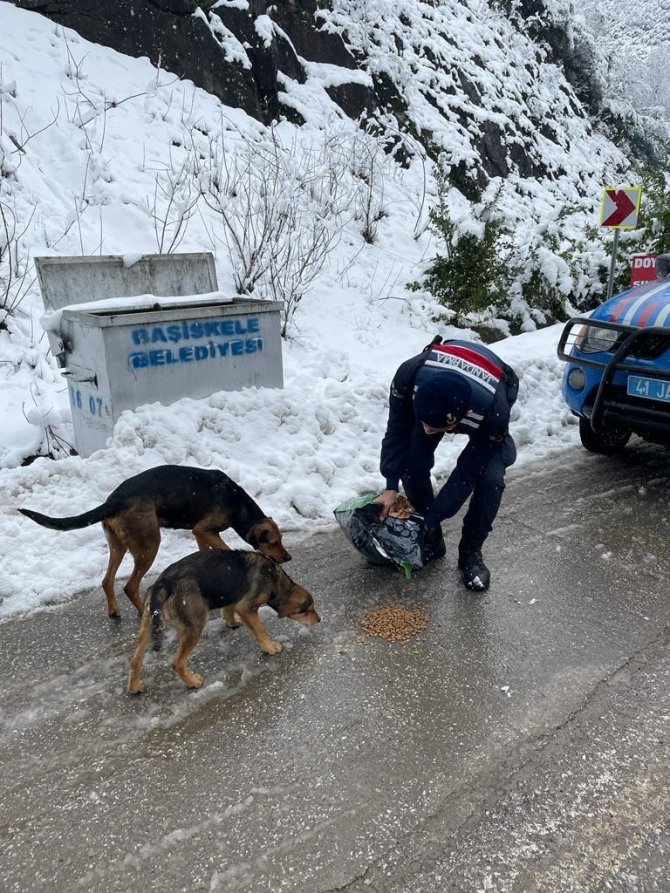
[620, 206]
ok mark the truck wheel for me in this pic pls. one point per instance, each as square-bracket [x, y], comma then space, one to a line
[604, 442]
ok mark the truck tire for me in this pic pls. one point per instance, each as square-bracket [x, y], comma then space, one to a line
[606, 443]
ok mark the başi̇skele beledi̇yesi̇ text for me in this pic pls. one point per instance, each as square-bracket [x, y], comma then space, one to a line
[222, 337]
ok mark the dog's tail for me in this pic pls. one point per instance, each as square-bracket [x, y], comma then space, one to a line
[159, 595]
[72, 523]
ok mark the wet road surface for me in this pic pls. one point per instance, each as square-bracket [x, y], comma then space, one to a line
[519, 743]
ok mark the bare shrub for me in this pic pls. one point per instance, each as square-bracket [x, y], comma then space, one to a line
[175, 198]
[280, 212]
[17, 272]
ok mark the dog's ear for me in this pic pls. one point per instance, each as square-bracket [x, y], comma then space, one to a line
[266, 538]
[269, 530]
[257, 536]
[264, 533]
[253, 536]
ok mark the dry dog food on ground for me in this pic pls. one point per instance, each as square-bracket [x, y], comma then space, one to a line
[394, 623]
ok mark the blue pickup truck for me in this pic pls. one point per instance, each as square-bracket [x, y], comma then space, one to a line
[617, 374]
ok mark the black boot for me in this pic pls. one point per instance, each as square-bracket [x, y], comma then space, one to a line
[475, 573]
[433, 544]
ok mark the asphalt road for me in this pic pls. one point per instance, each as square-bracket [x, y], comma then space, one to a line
[519, 743]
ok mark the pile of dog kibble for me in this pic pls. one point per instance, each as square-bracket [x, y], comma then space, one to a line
[394, 623]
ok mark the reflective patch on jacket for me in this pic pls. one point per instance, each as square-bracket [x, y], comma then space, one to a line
[479, 366]
[481, 369]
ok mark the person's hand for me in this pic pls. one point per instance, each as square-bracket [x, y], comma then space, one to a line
[388, 500]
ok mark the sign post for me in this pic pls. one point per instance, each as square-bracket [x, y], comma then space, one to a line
[619, 210]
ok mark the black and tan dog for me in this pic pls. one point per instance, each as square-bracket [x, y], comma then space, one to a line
[172, 496]
[236, 581]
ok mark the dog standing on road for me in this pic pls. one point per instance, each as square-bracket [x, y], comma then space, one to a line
[178, 497]
[236, 581]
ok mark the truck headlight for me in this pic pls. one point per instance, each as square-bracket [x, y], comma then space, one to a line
[594, 339]
[576, 378]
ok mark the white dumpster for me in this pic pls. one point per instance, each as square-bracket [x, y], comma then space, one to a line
[119, 351]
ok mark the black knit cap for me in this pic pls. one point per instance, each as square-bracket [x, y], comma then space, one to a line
[442, 400]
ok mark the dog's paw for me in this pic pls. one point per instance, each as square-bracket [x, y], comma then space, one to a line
[232, 618]
[271, 647]
[194, 680]
[136, 688]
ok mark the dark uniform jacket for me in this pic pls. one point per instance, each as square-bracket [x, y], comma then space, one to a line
[494, 387]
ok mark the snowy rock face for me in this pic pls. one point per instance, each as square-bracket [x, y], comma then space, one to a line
[490, 83]
[434, 71]
[165, 31]
[232, 48]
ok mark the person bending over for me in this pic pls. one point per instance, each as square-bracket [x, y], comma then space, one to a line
[459, 387]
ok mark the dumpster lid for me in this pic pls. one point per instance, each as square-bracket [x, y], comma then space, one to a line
[65, 281]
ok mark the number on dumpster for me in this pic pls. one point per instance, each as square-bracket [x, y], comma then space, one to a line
[92, 404]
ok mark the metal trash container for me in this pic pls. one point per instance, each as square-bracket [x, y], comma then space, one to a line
[119, 351]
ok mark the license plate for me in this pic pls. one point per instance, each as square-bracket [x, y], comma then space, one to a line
[651, 388]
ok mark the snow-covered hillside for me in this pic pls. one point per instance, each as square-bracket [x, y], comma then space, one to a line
[104, 154]
[634, 41]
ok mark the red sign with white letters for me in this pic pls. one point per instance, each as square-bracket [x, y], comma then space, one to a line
[643, 269]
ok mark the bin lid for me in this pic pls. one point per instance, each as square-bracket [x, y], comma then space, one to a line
[76, 280]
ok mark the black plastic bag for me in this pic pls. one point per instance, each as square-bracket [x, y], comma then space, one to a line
[394, 541]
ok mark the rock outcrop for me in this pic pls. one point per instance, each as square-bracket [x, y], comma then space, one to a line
[250, 52]
[221, 48]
